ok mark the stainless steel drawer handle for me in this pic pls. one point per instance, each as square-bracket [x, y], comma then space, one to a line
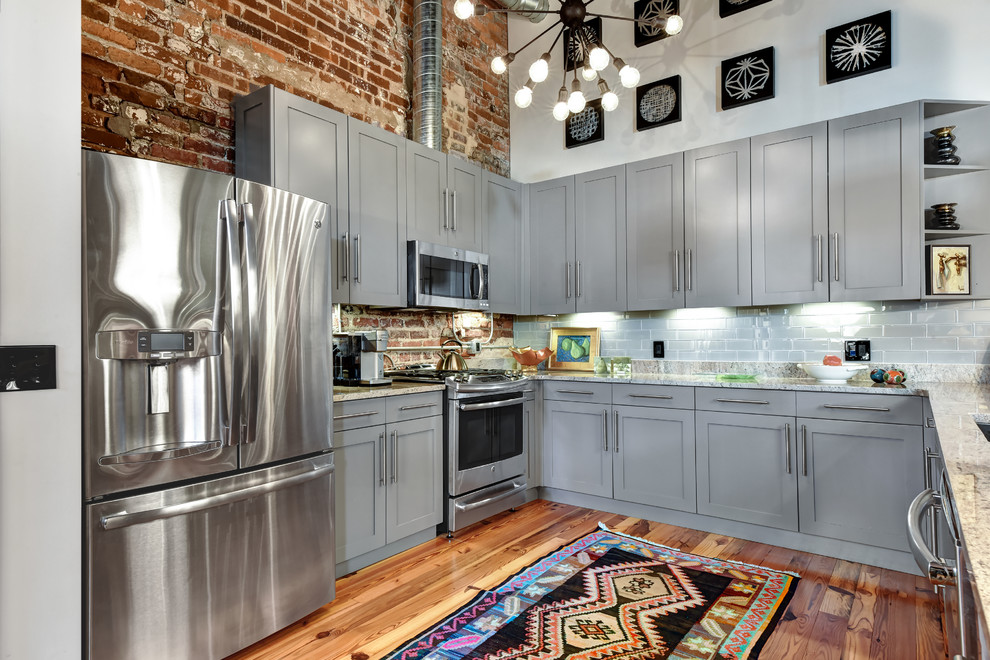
[835, 406]
[651, 396]
[353, 415]
[575, 392]
[160, 454]
[516, 401]
[419, 406]
[125, 519]
[516, 488]
[752, 401]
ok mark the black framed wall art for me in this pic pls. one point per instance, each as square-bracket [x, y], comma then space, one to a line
[647, 10]
[586, 126]
[748, 78]
[658, 103]
[858, 48]
[579, 41]
[730, 7]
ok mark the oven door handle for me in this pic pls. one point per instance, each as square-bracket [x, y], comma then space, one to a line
[938, 571]
[516, 488]
[487, 405]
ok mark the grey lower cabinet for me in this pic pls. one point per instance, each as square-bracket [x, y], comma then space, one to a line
[718, 259]
[857, 479]
[388, 483]
[502, 206]
[654, 456]
[874, 200]
[577, 456]
[745, 468]
[444, 199]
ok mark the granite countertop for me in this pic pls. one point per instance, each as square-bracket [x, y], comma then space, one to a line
[344, 393]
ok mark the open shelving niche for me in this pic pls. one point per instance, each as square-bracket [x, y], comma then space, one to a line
[967, 184]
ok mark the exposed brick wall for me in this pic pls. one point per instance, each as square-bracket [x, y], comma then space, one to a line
[429, 328]
[158, 76]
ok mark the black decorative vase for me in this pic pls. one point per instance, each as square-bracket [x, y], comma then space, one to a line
[945, 216]
[943, 144]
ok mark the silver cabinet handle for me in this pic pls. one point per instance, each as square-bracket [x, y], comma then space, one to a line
[353, 415]
[445, 221]
[567, 274]
[605, 430]
[615, 437]
[381, 477]
[417, 407]
[453, 215]
[577, 280]
[575, 392]
[835, 406]
[357, 257]
[804, 450]
[752, 401]
[677, 270]
[395, 456]
[938, 571]
[651, 396]
[821, 274]
[345, 260]
[687, 268]
[160, 455]
[787, 447]
[125, 519]
[930, 457]
[835, 254]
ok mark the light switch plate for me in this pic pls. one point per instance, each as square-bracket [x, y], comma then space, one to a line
[857, 350]
[27, 368]
[658, 349]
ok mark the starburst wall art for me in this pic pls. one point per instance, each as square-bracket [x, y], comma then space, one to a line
[858, 48]
[747, 78]
[645, 33]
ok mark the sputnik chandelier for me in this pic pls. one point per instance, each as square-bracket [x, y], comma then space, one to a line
[585, 48]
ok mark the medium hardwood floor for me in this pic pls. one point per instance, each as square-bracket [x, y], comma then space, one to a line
[840, 610]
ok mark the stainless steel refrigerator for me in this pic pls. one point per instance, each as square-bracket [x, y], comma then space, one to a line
[207, 433]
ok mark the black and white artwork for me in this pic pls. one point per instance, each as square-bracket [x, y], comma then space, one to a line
[648, 10]
[730, 7]
[658, 103]
[858, 48]
[747, 78]
[586, 126]
[578, 43]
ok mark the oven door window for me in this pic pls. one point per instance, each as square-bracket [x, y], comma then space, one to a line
[487, 435]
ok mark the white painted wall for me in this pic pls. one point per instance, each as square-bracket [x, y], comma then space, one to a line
[941, 50]
[40, 447]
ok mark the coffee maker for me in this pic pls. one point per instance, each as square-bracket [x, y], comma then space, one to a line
[359, 358]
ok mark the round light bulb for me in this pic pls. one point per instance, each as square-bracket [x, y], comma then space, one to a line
[499, 66]
[674, 24]
[524, 97]
[576, 102]
[463, 9]
[629, 76]
[539, 70]
[560, 111]
[599, 58]
[610, 101]
[588, 73]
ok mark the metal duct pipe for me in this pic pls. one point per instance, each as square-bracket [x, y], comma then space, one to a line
[427, 89]
[527, 5]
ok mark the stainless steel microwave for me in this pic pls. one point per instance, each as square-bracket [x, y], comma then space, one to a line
[446, 277]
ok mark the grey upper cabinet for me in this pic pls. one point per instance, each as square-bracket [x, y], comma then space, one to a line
[551, 221]
[359, 491]
[654, 453]
[858, 479]
[874, 202]
[790, 216]
[718, 267]
[374, 240]
[577, 455]
[502, 205]
[444, 199]
[467, 230]
[746, 468]
[655, 233]
[600, 240]
[288, 142]
[415, 480]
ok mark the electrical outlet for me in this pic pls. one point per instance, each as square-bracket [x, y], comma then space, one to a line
[658, 349]
[858, 350]
[27, 368]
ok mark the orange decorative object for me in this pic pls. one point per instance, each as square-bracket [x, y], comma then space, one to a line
[833, 360]
[530, 359]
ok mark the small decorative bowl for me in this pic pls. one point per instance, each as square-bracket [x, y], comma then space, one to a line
[831, 374]
[529, 359]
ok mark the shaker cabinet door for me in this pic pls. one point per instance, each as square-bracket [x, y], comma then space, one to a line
[653, 461]
[467, 226]
[600, 240]
[415, 478]
[359, 491]
[576, 450]
[507, 251]
[551, 221]
[427, 197]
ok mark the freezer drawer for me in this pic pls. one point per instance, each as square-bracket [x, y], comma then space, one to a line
[204, 570]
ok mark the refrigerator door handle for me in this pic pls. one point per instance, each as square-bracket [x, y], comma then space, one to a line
[228, 212]
[118, 520]
[251, 339]
[130, 457]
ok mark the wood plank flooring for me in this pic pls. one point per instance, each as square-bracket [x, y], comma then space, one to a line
[840, 611]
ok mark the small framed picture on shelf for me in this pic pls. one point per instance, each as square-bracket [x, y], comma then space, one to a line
[574, 348]
[948, 270]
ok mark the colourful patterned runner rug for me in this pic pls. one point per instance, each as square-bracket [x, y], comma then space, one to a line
[609, 596]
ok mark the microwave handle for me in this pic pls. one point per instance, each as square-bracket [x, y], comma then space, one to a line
[481, 282]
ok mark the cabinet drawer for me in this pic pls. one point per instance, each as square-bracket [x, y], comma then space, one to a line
[654, 396]
[731, 399]
[889, 408]
[413, 406]
[358, 414]
[581, 391]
